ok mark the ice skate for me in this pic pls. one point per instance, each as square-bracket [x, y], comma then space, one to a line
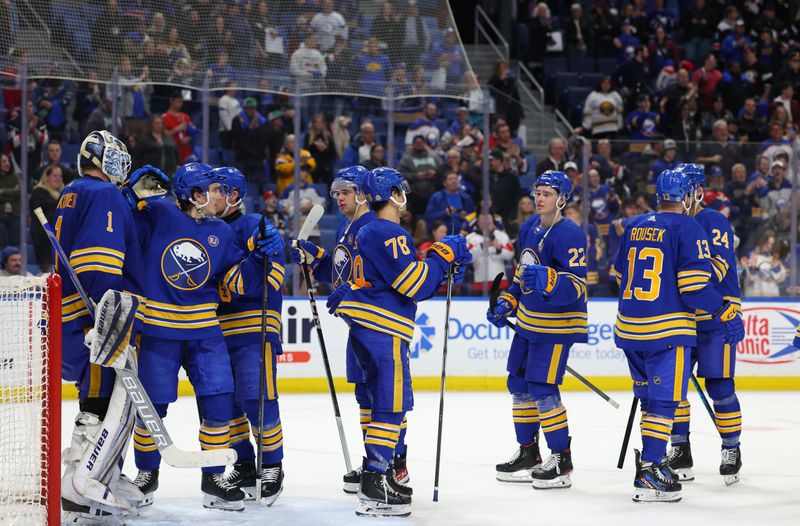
[218, 494]
[378, 498]
[555, 472]
[243, 476]
[654, 482]
[730, 466]
[147, 482]
[271, 483]
[519, 468]
[680, 461]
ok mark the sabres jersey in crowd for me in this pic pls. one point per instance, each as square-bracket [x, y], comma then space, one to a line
[663, 268]
[723, 263]
[96, 229]
[558, 317]
[594, 254]
[337, 268]
[388, 281]
[240, 315]
[184, 260]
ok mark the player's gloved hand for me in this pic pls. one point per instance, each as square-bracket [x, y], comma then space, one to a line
[539, 278]
[306, 252]
[497, 315]
[450, 249]
[336, 297]
[458, 274]
[732, 324]
[147, 183]
[268, 243]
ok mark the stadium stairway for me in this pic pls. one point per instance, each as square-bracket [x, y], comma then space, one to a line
[540, 124]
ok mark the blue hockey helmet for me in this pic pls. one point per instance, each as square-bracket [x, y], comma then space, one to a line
[190, 176]
[231, 178]
[350, 176]
[673, 186]
[557, 180]
[377, 184]
[105, 152]
[695, 172]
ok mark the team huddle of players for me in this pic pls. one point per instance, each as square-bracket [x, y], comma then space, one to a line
[201, 266]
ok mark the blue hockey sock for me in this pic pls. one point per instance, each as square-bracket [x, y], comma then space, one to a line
[272, 431]
[656, 430]
[526, 417]
[365, 416]
[216, 412]
[383, 433]
[680, 424]
[400, 448]
[240, 438]
[145, 452]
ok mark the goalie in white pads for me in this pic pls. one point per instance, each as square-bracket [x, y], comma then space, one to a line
[96, 231]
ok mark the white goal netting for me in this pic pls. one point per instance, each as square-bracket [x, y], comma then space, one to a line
[26, 415]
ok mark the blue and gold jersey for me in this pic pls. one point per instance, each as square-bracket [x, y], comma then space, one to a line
[337, 267]
[240, 315]
[558, 317]
[723, 263]
[388, 281]
[95, 226]
[615, 233]
[594, 254]
[184, 260]
[663, 268]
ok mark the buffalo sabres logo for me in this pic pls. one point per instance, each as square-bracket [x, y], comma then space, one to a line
[185, 264]
[213, 240]
[528, 257]
[342, 260]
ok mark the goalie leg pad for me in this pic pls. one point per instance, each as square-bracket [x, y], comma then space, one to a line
[101, 449]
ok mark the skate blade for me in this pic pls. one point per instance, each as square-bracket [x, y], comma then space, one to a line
[249, 493]
[368, 508]
[730, 479]
[521, 476]
[351, 488]
[562, 482]
[146, 501]
[654, 495]
[269, 501]
[216, 503]
[684, 474]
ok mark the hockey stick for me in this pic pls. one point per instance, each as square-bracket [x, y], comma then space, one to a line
[702, 397]
[493, 295]
[262, 365]
[627, 437]
[308, 225]
[171, 454]
[441, 384]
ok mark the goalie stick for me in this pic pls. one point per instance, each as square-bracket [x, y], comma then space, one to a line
[171, 454]
[493, 295]
[311, 221]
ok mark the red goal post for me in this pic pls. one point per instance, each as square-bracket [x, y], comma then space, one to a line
[30, 400]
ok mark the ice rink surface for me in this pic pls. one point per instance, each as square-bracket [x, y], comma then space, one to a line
[478, 433]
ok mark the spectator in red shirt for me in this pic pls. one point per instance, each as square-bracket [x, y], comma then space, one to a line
[706, 79]
[179, 125]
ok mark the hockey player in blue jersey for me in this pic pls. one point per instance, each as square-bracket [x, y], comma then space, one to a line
[664, 272]
[336, 268]
[548, 297]
[240, 320]
[715, 358]
[96, 230]
[595, 247]
[380, 307]
[195, 256]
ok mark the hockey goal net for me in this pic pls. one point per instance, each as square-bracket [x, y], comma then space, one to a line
[30, 399]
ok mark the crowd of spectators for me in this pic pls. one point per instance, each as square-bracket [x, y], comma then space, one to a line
[692, 81]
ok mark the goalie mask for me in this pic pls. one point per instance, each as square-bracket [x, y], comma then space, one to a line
[108, 154]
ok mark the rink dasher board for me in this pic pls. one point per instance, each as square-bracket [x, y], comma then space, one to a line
[477, 351]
